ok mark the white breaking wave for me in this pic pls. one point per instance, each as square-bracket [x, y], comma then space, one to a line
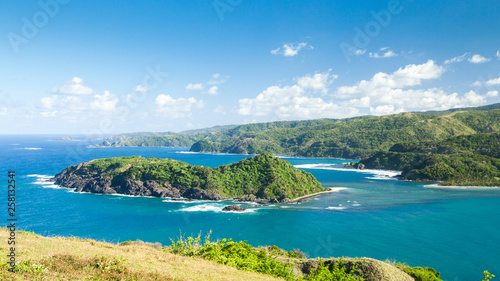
[378, 174]
[42, 180]
[339, 208]
[211, 208]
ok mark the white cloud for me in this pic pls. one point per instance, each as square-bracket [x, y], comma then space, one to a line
[290, 50]
[213, 91]
[457, 59]
[291, 102]
[478, 59]
[318, 81]
[498, 54]
[217, 82]
[385, 110]
[476, 84]
[215, 75]
[73, 87]
[495, 81]
[387, 93]
[359, 52]
[3, 111]
[105, 102]
[141, 89]
[388, 54]
[64, 107]
[492, 94]
[411, 75]
[177, 108]
[194, 87]
[296, 101]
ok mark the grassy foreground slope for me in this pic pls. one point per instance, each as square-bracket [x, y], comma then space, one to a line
[58, 258]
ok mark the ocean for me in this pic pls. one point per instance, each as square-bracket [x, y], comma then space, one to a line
[455, 231]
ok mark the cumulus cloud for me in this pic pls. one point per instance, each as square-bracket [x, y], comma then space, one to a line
[194, 87]
[388, 93]
[291, 102]
[317, 82]
[73, 87]
[478, 59]
[290, 50]
[476, 84]
[105, 102]
[296, 101]
[410, 75]
[457, 59]
[213, 90]
[65, 106]
[385, 53]
[359, 52]
[177, 108]
[492, 94]
[141, 89]
[492, 82]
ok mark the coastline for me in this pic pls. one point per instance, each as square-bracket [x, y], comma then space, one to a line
[436, 185]
[332, 190]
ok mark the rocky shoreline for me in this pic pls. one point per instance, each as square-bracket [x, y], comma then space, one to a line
[133, 187]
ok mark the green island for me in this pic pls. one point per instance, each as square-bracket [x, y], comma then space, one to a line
[191, 258]
[259, 178]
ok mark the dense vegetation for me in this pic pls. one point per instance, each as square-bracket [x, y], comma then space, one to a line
[262, 176]
[269, 260]
[463, 160]
[349, 138]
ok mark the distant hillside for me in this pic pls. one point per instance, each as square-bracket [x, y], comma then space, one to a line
[348, 138]
[315, 138]
[262, 177]
[462, 160]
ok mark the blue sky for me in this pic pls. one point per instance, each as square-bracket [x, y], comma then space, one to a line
[104, 67]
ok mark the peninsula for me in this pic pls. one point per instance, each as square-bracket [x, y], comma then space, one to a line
[259, 178]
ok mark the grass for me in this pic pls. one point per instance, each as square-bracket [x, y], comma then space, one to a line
[58, 258]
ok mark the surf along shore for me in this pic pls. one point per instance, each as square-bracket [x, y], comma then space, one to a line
[332, 189]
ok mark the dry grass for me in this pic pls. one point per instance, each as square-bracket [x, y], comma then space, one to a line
[58, 258]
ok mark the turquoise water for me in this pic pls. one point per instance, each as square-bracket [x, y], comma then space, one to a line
[453, 230]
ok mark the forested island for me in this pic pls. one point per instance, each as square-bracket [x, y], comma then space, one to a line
[259, 178]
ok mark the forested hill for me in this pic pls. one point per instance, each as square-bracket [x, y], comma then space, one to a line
[349, 138]
[260, 177]
[463, 160]
[357, 137]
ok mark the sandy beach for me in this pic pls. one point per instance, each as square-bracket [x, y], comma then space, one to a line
[332, 189]
[459, 187]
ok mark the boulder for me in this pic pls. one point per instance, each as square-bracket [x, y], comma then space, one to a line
[233, 208]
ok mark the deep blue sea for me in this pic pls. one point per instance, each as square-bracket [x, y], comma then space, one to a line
[456, 231]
